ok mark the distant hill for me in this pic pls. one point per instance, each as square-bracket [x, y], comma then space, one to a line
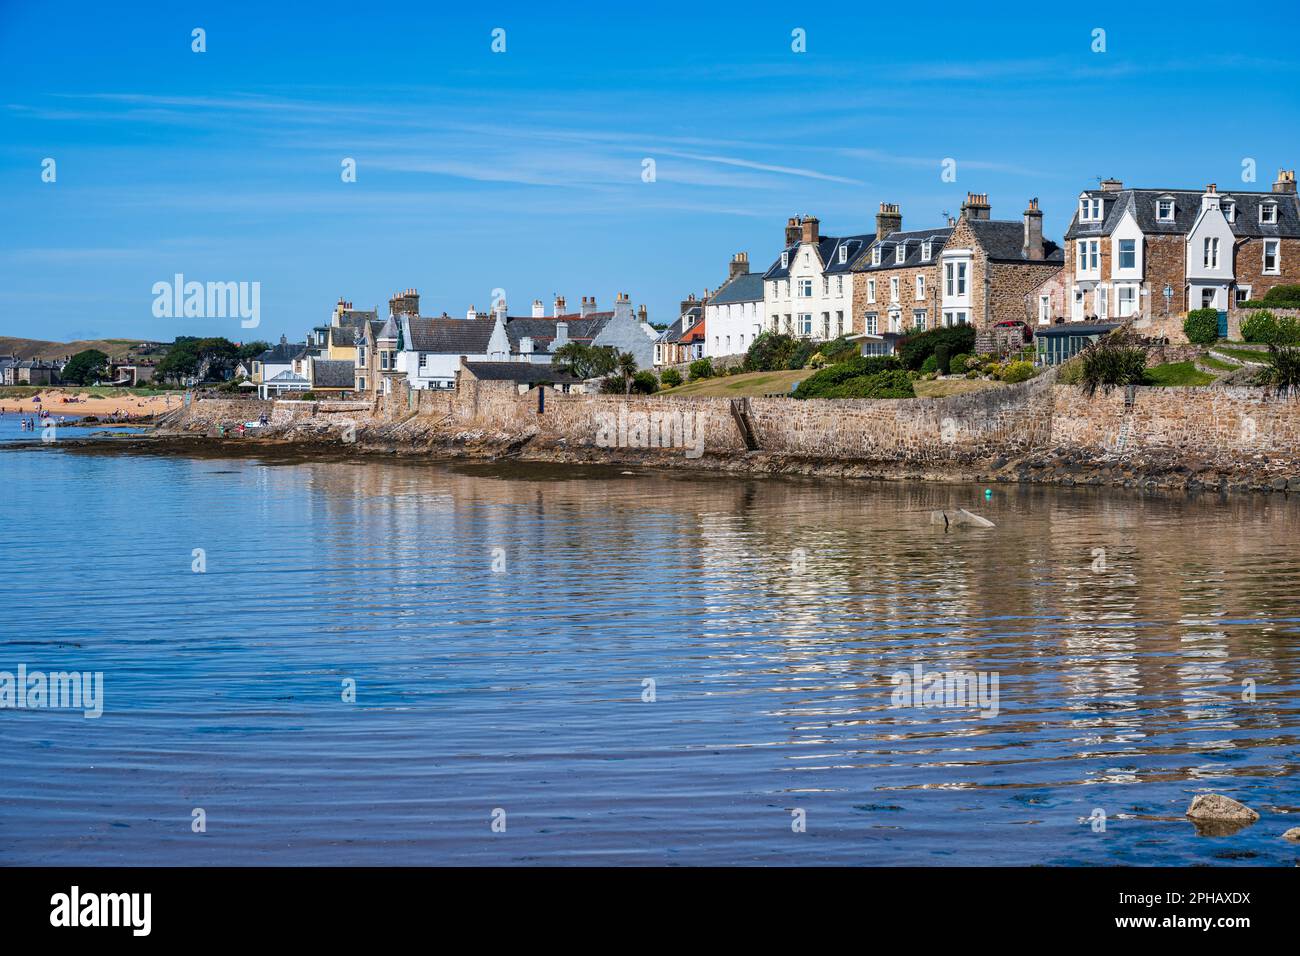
[38, 349]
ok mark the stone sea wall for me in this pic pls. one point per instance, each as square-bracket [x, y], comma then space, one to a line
[1037, 430]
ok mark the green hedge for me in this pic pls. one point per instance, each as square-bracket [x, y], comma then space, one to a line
[1202, 326]
[913, 350]
[820, 384]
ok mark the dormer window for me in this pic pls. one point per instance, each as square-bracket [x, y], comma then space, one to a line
[900, 253]
[1268, 212]
[1090, 209]
[785, 260]
[875, 256]
[844, 254]
[1230, 210]
[925, 250]
[1164, 210]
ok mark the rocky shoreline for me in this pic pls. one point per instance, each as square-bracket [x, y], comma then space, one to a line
[1154, 470]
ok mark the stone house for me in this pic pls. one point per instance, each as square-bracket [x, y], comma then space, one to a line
[975, 271]
[808, 291]
[1146, 254]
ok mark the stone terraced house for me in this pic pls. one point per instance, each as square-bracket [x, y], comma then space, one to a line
[975, 271]
[1144, 253]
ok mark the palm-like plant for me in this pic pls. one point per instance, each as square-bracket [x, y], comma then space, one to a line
[627, 369]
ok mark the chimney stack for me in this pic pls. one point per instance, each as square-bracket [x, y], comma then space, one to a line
[976, 206]
[888, 220]
[622, 306]
[588, 305]
[539, 310]
[1111, 185]
[1285, 181]
[792, 231]
[810, 227]
[739, 265]
[471, 314]
[1033, 248]
[688, 303]
[559, 305]
[641, 314]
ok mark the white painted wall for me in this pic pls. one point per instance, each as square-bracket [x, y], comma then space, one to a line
[830, 303]
[732, 328]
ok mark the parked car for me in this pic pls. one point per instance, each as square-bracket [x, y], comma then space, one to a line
[1025, 330]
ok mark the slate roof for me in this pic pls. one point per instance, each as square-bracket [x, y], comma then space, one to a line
[355, 318]
[1074, 328]
[332, 373]
[671, 334]
[345, 335]
[542, 330]
[1187, 207]
[1004, 241]
[912, 242]
[747, 287]
[281, 354]
[450, 336]
[828, 249]
[530, 372]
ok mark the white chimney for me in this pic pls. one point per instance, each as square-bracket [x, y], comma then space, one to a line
[471, 314]
[526, 345]
[539, 310]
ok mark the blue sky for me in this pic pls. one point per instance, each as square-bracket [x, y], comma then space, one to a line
[522, 170]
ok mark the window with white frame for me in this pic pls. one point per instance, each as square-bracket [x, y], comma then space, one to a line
[926, 248]
[893, 288]
[875, 255]
[918, 318]
[1044, 309]
[361, 384]
[1128, 253]
[1090, 209]
[805, 323]
[920, 287]
[785, 260]
[1230, 210]
[1268, 212]
[844, 254]
[805, 288]
[1165, 210]
[1102, 301]
[871, 290]
[954, 278]
[1271, 264]
[1127, 300]
[1089, 254]
[826, 285]
[785, 288]
[1241, 295]
[900, 253]
[839, 285]
[956, 317]
[872, 323]
[1211, 252]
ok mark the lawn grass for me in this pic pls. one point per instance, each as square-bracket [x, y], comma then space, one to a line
[941, 388]
[751, 384]
[1217, 364]
[1178, 373]
[1244, 354]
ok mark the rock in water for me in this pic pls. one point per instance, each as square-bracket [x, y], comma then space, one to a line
[975, 521]
[1215, 807]
[1293, 835]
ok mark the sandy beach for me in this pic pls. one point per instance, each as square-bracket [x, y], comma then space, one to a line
[59, 402]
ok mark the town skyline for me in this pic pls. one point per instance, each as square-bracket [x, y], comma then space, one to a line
[524, 170]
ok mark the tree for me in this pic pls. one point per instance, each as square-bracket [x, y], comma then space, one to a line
[252, 349]
[86, 367]
[585, 361]
[204, 359]
[627, 369]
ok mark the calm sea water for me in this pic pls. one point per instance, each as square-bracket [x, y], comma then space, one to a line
[769, 613]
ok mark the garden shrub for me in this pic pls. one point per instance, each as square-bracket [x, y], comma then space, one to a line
[913, 350]
[701, 368]
[930, 365]
[671, 378]
[1017, 371]
[1202, 326]
[820, 384]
